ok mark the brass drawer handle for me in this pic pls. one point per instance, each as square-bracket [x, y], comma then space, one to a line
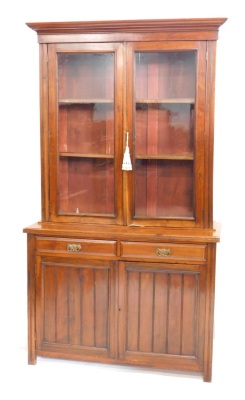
[163, 252]
[73, 247]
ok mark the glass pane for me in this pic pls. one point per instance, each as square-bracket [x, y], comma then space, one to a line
[86, 185]
[164, 189]
[165, 75]
[86, 133]
[164, 129]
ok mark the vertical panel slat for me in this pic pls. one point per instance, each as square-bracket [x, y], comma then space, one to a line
[74, 305]
[61, 305]
[163, 75]
[101, 308]
[49, 301]
[146, 312]
[175, 313]
[189, 313]
[160, 313]
[87, 295]
[133, 311]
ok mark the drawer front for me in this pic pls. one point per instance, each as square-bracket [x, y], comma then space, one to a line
[163, 251]
[76, 246]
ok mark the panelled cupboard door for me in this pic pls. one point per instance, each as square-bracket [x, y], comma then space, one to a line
[166, 89]
[85, 120]
[75, 308]
[161, 318]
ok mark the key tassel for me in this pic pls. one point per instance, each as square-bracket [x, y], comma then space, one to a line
[126, 165]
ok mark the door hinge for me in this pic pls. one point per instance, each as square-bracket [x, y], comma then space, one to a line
[206, 55]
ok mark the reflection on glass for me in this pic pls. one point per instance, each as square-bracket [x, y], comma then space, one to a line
[164, 134]
[86, 133]
[164, 189]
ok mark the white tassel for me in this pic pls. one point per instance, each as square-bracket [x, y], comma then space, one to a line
[126, 165]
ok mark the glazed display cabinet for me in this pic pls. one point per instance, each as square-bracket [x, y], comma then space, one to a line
[121, 268]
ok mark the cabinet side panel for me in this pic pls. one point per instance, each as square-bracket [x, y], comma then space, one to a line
[209, 322]
[209, 132]
[31, 281]
[44, 130]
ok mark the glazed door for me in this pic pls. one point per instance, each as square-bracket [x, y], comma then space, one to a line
[162, 308]
[165, 116]
[85, 102]
[75, 307]
[158, 117]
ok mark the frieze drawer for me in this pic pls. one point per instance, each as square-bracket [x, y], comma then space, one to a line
[163, 251]
[76, 246]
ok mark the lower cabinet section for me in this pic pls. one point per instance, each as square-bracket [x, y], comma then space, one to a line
[162, 310]
[75, 307]
[156, 313]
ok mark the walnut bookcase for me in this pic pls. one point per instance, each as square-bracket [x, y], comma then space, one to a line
[121, 268]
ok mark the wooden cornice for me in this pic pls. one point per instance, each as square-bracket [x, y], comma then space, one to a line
[128, 26]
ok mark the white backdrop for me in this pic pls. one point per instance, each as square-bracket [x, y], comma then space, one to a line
[21, 206]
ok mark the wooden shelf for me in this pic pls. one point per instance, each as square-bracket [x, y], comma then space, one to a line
[166, 101]
[164, 157]
[85, 101]
[87, 155]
